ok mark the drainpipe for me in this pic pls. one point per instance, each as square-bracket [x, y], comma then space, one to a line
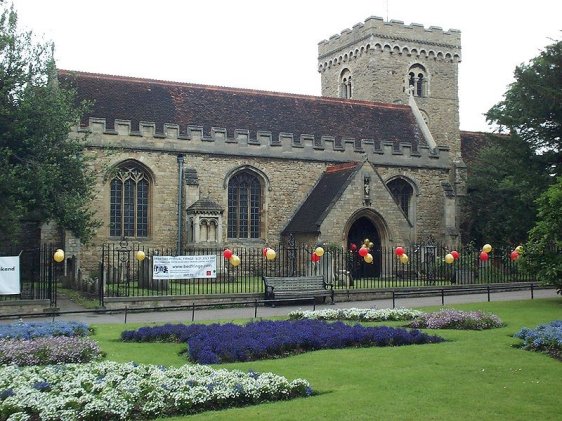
[180, 202]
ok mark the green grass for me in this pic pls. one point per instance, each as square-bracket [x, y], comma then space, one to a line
[475, 375]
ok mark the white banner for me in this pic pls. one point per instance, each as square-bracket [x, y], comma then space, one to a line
[184, 267]
[10, 275]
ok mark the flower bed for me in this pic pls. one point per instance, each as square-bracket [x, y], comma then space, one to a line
[457, 319]
[48, 350]
[359, 314]
[21, 330]
[219, 343]
[110, 390]
[544, 338]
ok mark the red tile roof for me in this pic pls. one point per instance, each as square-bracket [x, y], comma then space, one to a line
[128, 98]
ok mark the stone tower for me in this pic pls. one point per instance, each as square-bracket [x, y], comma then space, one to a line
[387, 61]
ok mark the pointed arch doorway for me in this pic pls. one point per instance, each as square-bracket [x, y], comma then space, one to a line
[361, 229]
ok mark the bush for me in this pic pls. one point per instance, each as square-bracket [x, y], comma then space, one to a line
[48, 350]
[457, 319]
[544, 338]
[21, 330]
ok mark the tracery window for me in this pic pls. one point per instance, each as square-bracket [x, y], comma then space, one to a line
[129, 202]
[402, 192]
[244, 206]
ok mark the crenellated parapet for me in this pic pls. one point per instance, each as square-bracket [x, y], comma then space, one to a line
[260, 144]
[391, 37]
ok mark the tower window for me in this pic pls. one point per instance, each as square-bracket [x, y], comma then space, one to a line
[417, 81]
[402, 192]
[345, 84]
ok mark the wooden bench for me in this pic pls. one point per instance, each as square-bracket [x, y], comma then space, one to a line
[280, 287]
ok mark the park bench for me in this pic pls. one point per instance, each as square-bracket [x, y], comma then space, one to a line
[293, 287]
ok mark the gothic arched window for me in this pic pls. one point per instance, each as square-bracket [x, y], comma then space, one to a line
[345, 84]
[129, 202]
[244, 206]
[402, 192]
[418, 80]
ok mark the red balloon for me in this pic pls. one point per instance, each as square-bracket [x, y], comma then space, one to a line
[264, 251]
[455, 254]
[353, 246]
[227, 253]
[315, 257]
[484, 256]
[514, 255]
[363, 251]
[399, 251]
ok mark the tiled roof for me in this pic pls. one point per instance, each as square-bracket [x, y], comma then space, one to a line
[471, 144]
[325, 193]
[126, 98]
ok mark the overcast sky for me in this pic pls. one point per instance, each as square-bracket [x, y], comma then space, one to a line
[273, 45]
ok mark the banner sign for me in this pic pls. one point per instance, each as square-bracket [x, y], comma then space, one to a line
[184, 267]
[10, 275]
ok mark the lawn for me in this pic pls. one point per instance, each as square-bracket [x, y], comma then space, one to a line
[475, 375]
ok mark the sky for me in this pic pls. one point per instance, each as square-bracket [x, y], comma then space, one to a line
[273, 45]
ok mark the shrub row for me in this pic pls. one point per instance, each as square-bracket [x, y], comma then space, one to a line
[457, 319]
[358, 314]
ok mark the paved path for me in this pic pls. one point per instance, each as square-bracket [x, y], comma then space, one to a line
[232, 313]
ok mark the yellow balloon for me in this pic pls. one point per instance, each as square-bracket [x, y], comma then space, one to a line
[234, 260]
[270, 255]
[140, 255]
[368, 258]
[319, 251]
[519, 249]
[487, 248]
[449, 258]
[58, 256]
[404, 259]
[366, 241]
[370, 245]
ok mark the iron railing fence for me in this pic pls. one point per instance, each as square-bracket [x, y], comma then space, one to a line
[38, 272]
[125, 276]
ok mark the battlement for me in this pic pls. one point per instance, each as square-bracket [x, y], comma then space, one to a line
[392, 36]
[261, 144]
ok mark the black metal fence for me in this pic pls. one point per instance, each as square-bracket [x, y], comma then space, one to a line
[38, 273]
[124, 275]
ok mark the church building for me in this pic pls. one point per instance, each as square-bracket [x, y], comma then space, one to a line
[377, 156]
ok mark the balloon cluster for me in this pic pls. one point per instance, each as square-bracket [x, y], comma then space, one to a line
[516, 253]
[484, 253]
[317, 254]
[231, 257]
[402, 256]
[452, 256]
[364, 251]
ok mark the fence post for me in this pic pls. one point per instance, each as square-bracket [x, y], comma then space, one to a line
[126, 308]
[488, 288]
[192, 311]
[393, 300]
[532, 292]
[442, 296]
[255, 309]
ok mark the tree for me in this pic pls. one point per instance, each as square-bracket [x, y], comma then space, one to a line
[532, 106]
[44, 173]
[542, 254]
[503, 183]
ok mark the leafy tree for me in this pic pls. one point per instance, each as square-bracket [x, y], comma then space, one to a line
[44, 173]
[532, 106]
[543, 252]
[503, 183]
